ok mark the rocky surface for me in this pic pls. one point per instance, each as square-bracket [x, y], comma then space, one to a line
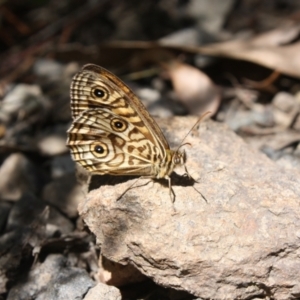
[238, 240]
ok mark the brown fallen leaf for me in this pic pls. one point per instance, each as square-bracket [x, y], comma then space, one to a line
[278, 49]
[275, 49]
[193, 88]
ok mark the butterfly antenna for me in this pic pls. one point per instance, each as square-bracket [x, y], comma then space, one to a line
[198, 121]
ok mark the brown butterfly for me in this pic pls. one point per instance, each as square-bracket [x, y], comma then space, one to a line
[113, 133]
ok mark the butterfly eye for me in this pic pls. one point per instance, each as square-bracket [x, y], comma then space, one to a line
[99, 93]
[118, 125]
[99, 150]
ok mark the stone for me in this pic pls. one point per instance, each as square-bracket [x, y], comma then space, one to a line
[284, 101]
[70, 283]
[58, 222]
[48, 68]
[285, 109]
[23, 100]
[18, 175]
[4, 212]
[28, 209]
[31, 212]
[61, 165]
[10, 249]
[53, 142]
[103, 291]
[238, 239]
[64, 193]
[52, 279]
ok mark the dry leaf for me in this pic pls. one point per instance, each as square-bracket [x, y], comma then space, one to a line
[274, 49]
[278, 49]
[193, 88]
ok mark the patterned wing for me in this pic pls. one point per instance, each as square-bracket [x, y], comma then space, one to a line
[95, 87]
[107, 143]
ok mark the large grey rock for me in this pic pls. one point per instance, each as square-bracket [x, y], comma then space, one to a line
[242, 243]
[64, 193]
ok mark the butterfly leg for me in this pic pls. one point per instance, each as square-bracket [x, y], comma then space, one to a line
[133, 186]
[187, 173]
[190, 177]
[171, 191]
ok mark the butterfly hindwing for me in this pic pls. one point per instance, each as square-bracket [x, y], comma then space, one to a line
[104, 142]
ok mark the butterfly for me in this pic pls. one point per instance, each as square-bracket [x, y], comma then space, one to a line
[112, 131]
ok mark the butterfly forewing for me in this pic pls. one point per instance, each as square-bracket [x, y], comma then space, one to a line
[96, 87]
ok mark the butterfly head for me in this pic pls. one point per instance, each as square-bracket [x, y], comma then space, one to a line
[179, 158]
